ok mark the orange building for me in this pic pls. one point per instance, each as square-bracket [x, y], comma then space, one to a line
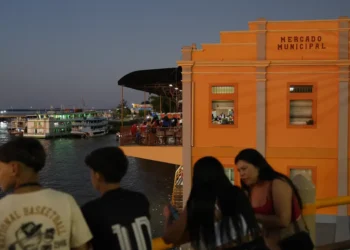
[280, 87]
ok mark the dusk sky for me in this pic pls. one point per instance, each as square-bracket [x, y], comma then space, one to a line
[56, 52]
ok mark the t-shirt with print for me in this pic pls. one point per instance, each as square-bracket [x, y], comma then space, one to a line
[41, 220]
[119, 220]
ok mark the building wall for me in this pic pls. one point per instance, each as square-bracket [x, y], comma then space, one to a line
[276, 54]
[241, 136]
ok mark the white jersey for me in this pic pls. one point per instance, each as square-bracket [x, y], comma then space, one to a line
[232, 234]
[41, 220]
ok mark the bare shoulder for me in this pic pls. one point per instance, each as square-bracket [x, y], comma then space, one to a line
[280, 184]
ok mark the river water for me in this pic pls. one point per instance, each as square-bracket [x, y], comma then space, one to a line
[65, 171]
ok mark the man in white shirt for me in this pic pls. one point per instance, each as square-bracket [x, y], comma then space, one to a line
[32, 217]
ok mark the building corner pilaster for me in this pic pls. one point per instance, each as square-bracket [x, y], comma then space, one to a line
[261, 87]
[187, 134]
[342, 232]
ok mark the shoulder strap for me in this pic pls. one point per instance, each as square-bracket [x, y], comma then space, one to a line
[306, 227]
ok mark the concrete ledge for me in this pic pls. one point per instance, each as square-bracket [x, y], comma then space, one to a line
[325, 218]
[167, 154]
[332, 228]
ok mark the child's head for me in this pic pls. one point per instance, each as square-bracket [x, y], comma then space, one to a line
[108, 166]
[20, 160]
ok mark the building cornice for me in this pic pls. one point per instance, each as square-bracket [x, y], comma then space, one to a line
[266, 63]
[284, 31]
[185, 63]
[345, 18]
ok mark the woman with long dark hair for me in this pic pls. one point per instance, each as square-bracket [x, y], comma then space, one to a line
[274, 198]
[218, 214]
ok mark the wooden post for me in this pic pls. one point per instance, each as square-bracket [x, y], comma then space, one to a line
[169, 104]
[176, 100]
[144, 103]
[160, 104]
[122, 108]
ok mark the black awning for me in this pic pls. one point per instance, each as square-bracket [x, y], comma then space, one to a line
[155, 81]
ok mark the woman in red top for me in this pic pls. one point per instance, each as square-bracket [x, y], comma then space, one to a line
[274, 198]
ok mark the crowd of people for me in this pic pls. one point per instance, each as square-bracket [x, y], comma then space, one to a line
[264, 213]
[155, 131]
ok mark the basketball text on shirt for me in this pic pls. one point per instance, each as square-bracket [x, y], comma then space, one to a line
[22, 219]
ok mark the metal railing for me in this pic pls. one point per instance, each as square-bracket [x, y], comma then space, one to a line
[309, 209]
[161, 136]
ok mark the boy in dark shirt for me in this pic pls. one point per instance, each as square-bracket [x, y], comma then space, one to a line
[120, 218]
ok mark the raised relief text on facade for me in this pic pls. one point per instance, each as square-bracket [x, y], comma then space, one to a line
[301, 43]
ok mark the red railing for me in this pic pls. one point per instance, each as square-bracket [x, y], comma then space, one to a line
[151, 136]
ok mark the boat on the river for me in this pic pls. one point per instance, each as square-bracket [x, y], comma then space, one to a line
[50, 124]
[17, 126]
[65, 123]
[95, 124]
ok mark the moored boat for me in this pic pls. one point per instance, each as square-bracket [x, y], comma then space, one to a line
[92, 125]
[17, 126]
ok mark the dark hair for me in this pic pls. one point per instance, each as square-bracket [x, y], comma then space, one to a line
[110, 162]
[210, 187]
[266, 172]
[27, 151]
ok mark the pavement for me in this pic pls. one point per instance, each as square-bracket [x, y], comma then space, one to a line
[325, 233]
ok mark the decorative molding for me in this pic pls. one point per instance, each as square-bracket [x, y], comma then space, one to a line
[266, 63]
[282, 31]
[227, 44]
[185, 63]
[238, 31]
[254, 73]
[306, 30]
[231, 63]
[225, 73]
[302, 21]
[304, 72]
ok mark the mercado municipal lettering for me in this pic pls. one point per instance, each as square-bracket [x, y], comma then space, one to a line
[300, 43]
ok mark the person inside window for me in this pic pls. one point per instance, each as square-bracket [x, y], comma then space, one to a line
[120, 218]
[34, 217]
[218, 214]
[274, 198]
